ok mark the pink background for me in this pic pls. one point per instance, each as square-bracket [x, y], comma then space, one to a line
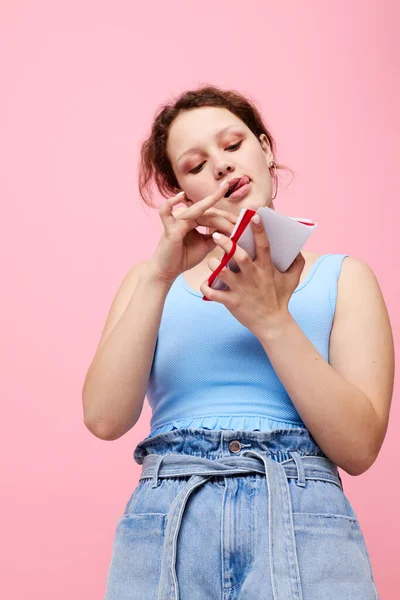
[80, 84]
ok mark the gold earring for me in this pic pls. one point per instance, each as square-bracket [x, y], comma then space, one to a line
[275, 177]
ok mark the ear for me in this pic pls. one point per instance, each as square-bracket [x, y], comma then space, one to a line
[266, 148]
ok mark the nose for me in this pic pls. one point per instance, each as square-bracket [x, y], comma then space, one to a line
[222, 170]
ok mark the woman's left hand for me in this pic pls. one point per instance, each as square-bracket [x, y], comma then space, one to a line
[259, 294]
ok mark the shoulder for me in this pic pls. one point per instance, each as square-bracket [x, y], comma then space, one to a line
[359, 296]
[352, 268]
[356, 282]
[356, 279]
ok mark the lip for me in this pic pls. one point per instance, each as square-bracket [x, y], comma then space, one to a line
[234, 181]
[241, 192]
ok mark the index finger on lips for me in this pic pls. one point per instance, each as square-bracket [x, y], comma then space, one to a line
[198, 209]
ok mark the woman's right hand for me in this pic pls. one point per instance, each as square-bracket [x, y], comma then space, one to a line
[181, 247]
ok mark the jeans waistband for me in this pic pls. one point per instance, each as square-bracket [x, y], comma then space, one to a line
[285, 575]
[277, 443]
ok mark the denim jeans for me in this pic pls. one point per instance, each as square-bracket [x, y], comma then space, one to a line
[238, 515]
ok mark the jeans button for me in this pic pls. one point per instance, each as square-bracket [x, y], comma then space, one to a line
[235, 446]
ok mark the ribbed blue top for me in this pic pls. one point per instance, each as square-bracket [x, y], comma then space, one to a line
[210, 371]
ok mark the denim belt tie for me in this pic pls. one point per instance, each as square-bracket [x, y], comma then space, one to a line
[285, 575]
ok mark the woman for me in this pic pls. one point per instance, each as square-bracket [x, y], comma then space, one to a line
[257, 397]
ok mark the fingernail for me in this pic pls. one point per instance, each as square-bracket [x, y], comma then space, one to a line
[216, 235]
[256, 219]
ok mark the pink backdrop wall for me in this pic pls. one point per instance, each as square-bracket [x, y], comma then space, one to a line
[80, 84]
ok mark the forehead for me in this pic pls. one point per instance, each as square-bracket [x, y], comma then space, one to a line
[198, 127]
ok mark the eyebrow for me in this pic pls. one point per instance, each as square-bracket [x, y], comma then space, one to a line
[198, 149]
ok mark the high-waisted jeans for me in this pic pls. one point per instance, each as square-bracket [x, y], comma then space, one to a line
[238, 515]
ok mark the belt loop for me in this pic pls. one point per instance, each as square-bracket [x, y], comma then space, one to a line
[154, 479]
[301, 481]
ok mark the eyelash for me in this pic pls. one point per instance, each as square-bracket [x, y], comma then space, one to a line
[235, 146]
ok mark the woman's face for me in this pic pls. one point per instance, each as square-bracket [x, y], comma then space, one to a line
[203, 155]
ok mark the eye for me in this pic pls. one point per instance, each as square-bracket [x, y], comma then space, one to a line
[235, 146]
[230, 148]
[195, 170]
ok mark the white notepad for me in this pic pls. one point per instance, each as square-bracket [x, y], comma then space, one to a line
[287, 236]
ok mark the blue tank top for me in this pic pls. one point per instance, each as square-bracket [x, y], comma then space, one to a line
[209, 371]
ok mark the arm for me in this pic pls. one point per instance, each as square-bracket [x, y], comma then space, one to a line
[344, 403]
[116, 382]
